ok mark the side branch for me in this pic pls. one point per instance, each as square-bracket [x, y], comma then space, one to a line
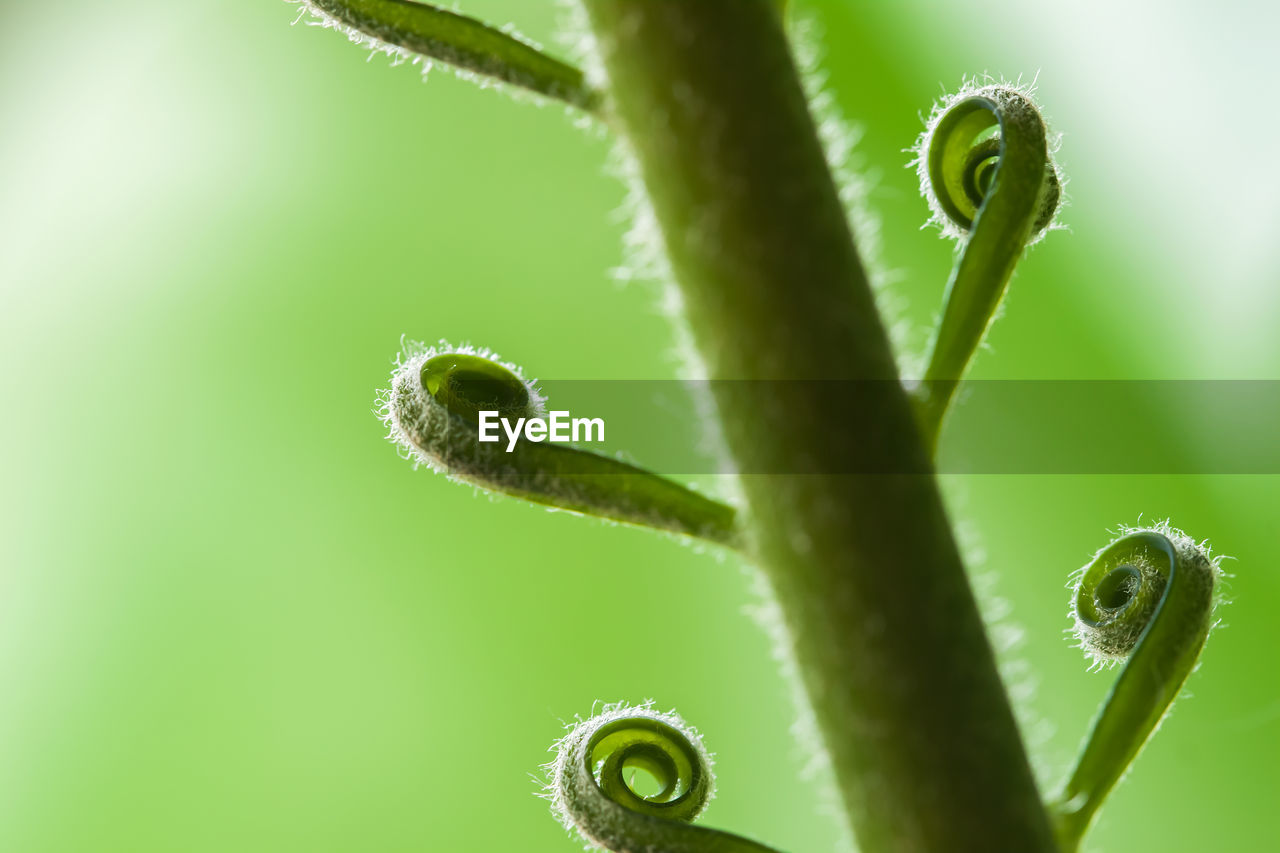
[469, 45]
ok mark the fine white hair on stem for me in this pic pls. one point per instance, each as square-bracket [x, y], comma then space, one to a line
[1007, 635]
[313, 16]
[855, 183]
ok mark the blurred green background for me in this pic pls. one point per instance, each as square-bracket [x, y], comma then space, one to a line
[232, 619]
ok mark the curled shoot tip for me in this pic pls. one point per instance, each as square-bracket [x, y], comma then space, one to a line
[593, 793]
[1145, 601]
[433, 412]
[985, 168]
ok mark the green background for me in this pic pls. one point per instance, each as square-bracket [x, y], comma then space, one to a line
[232, 619]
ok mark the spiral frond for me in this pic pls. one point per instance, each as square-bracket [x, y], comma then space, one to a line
[1146, 599]
[432, 410]
[591, 793]
[959, 153]
[985, 168]
[1117, 595]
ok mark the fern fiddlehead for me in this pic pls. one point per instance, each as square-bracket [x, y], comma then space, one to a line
[422, 31]
[590, 793]
[1146, 599]
[996, 194]
[432, 412]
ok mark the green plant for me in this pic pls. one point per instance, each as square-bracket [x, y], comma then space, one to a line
[876, 610]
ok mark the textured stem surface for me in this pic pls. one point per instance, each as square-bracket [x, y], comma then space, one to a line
[879, 614]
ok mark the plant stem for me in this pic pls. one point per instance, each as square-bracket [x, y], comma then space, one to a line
[879, 614]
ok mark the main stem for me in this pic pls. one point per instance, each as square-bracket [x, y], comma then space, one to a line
[879, 614]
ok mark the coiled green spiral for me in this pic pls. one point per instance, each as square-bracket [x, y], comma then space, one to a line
[959, 159]
[590, 791]
[985, 170]
[1146, 599]
[432, 412]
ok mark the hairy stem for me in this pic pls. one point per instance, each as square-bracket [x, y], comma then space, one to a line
[880, 618]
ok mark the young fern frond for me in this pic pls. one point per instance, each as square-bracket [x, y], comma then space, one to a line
[470, 46]
[590, 793]
[994, 193]
[432, 411]
[1146, 599]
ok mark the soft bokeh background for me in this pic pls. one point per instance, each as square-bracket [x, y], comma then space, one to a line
[232, 619]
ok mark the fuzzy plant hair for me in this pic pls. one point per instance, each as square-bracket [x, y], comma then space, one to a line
[734, 161]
